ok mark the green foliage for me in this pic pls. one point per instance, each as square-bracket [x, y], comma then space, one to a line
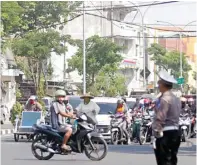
[18, 93]
[11, 19]
[24, 16]
[169, 60]
[195, 75]
[36, 47]
[17, 110]
[99, 52]
[109, 81]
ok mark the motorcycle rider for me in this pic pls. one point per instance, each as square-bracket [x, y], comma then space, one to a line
[90, 108]
[122, 109]
[68, 107]
[184, 106]
[192, 105]
[193, 112]
[33, 104]
[58, 116]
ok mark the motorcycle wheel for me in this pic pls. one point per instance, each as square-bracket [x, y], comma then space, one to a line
[115, 137]
[40, 139]
[142, 137]
[96, 141]
[184, 135]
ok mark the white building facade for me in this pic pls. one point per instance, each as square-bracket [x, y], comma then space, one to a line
[98, 22]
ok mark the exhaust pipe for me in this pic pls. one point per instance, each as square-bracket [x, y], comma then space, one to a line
[40, 146]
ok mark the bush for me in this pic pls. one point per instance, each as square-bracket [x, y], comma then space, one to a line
[16, 110]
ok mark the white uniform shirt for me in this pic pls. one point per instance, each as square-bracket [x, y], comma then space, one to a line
[91, 109]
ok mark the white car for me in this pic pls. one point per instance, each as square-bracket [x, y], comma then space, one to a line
[107, 104]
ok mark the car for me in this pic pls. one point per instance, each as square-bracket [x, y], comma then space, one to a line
[47, 101]
[4, 113]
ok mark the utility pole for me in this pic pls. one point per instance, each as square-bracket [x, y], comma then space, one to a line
[1, 67]
[84, 52]
[111, 12]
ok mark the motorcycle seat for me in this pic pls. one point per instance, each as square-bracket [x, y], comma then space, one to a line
[47, 127]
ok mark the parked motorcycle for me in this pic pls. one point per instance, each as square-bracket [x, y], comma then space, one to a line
[185, 126]
[118, 135]
[84, 139]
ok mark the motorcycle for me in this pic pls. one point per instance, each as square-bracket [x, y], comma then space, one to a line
[83, 139]
[146, 130]
[185, 126]
[136, 130]
[118, 135]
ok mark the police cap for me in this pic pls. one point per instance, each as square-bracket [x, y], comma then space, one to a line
[166, 78]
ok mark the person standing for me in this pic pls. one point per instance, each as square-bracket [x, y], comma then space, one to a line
[166, 122]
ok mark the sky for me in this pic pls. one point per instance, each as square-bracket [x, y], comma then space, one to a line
[176, 13]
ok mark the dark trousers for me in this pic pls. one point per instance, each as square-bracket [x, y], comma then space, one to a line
[167, 148]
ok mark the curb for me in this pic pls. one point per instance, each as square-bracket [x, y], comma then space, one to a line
[7, 131]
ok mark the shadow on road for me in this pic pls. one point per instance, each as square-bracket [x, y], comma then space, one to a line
[147, 149]
[56, 160]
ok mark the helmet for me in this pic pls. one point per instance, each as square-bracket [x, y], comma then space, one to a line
[190, 100]
[33, 97]
[60, 93]
[146, 101]
[120, 101]
[183, 99]
[124, 99]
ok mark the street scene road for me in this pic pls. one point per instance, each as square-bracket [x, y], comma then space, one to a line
[19, 153]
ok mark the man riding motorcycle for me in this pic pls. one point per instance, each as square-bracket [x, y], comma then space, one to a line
[193, 113]
[58, 116]
[90, 108]
[123, 109]
[68, 107]
[185, 107]
[33, 104]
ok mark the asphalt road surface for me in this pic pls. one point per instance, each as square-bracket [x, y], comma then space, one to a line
[19, 153]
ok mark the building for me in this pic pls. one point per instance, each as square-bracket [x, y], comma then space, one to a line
[98, 22]
[8, 76]
[189, 48]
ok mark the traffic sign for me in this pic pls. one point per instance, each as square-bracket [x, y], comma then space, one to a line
[180, 80]
[147, 72]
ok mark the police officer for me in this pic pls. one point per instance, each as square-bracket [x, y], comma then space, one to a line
[166, 122]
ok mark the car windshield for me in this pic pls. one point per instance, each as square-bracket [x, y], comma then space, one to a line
[106, 107]
[74, 101]
[46, 102]
[130, 104]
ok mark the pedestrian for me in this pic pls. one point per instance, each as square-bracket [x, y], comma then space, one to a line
[166, 122]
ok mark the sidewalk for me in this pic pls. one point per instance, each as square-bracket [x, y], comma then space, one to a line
[7, 128]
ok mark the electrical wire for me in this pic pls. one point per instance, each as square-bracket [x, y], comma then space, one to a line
[148, 27]
[125, 7]
[160, 37]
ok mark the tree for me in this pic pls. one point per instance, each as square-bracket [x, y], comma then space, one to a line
[109, 81]
[99, 52]
[24, 16]
[169, 60]
[195, 75]
[37, 48]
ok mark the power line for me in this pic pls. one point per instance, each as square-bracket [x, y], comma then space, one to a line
[160, 37]
[125, 7]
[148, 27]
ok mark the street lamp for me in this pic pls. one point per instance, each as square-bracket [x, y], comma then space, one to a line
[143, 38]
[180, 35]
[84, 52]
